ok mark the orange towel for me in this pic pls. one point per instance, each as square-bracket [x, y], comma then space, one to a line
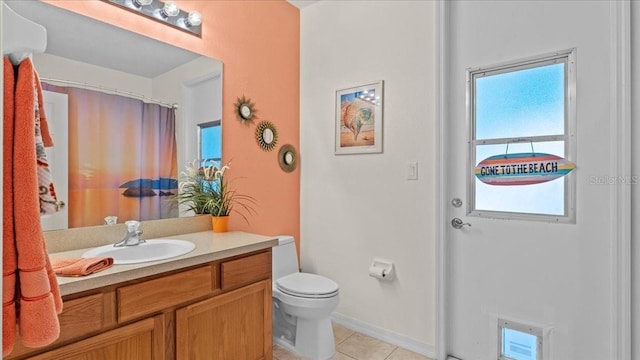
[80, 266]
[9, 256]
[37, 297]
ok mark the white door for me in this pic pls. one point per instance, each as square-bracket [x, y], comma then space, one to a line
[56, 110]
[635, 91]
[561, 278]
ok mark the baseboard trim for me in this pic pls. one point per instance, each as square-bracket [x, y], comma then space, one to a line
[384, 335]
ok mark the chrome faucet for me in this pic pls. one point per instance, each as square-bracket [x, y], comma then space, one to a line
[132, 237]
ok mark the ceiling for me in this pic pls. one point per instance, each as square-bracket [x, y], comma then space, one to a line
[87, 40]
[302, 3]
[91, 41]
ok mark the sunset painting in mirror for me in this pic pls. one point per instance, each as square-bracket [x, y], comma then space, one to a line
[122, 158]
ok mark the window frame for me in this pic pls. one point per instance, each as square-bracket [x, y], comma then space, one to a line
[569, 58]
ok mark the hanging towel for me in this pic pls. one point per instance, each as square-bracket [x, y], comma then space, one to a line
[48, 200]
[80, 266]
[9, 256]
[36, 299]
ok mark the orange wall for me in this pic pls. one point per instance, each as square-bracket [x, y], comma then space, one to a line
[259, 43]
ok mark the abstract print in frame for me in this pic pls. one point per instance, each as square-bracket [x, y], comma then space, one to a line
[358, 124]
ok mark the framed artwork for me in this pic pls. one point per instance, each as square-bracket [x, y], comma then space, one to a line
[358, 123]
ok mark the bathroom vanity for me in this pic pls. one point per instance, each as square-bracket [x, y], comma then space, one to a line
[213, 303]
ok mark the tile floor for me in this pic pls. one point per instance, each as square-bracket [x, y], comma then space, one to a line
[351, 345]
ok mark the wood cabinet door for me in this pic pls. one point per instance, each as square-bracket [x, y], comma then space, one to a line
[141, 340]
[235, 325]
[80, 318]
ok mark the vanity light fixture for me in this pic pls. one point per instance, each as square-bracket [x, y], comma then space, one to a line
[165, 12]
[140, 3]
[168, 10]
[193, 19]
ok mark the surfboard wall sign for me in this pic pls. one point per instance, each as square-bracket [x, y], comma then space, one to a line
[522, 169]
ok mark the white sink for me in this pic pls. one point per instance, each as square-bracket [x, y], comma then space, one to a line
[150, 250]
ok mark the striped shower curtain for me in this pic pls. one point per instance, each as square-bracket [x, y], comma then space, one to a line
[122, 158]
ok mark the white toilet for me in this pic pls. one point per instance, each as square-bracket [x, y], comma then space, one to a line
[302, 305]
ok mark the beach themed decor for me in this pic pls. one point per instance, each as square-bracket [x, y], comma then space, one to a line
[358, 123]
[522, 169]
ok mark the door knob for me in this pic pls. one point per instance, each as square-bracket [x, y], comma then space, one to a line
[458, 224]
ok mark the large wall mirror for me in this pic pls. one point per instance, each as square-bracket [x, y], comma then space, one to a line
[125, 112]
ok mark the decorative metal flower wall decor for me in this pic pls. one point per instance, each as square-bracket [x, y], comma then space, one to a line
[245, 110]
[266, 135]
[288, 158]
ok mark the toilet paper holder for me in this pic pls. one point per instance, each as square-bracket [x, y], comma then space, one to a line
[382, 269]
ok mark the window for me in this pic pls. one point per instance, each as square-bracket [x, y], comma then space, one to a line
[525, 108]
[210, 139]
[519, 341]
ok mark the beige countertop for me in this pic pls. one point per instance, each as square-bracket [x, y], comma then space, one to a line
[210, 246]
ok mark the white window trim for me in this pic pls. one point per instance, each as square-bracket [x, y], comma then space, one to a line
[569, 137]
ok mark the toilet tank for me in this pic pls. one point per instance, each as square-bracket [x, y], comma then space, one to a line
[284, 260]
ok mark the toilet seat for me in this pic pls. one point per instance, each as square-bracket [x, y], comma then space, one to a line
[309, 286]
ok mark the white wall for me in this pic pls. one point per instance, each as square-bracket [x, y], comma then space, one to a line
[175, 85]
[357, 207]
[635, 170]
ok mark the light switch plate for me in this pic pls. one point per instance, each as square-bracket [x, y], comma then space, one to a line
[412, 170]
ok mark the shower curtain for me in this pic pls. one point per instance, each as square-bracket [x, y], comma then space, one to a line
[122, 158]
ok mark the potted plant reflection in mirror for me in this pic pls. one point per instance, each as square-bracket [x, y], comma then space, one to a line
[205, 189]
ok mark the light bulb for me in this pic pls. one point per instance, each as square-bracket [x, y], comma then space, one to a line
[194, 19]
[170, 9]
[141, 3]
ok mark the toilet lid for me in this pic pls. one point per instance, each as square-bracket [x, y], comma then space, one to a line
[307, 286]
